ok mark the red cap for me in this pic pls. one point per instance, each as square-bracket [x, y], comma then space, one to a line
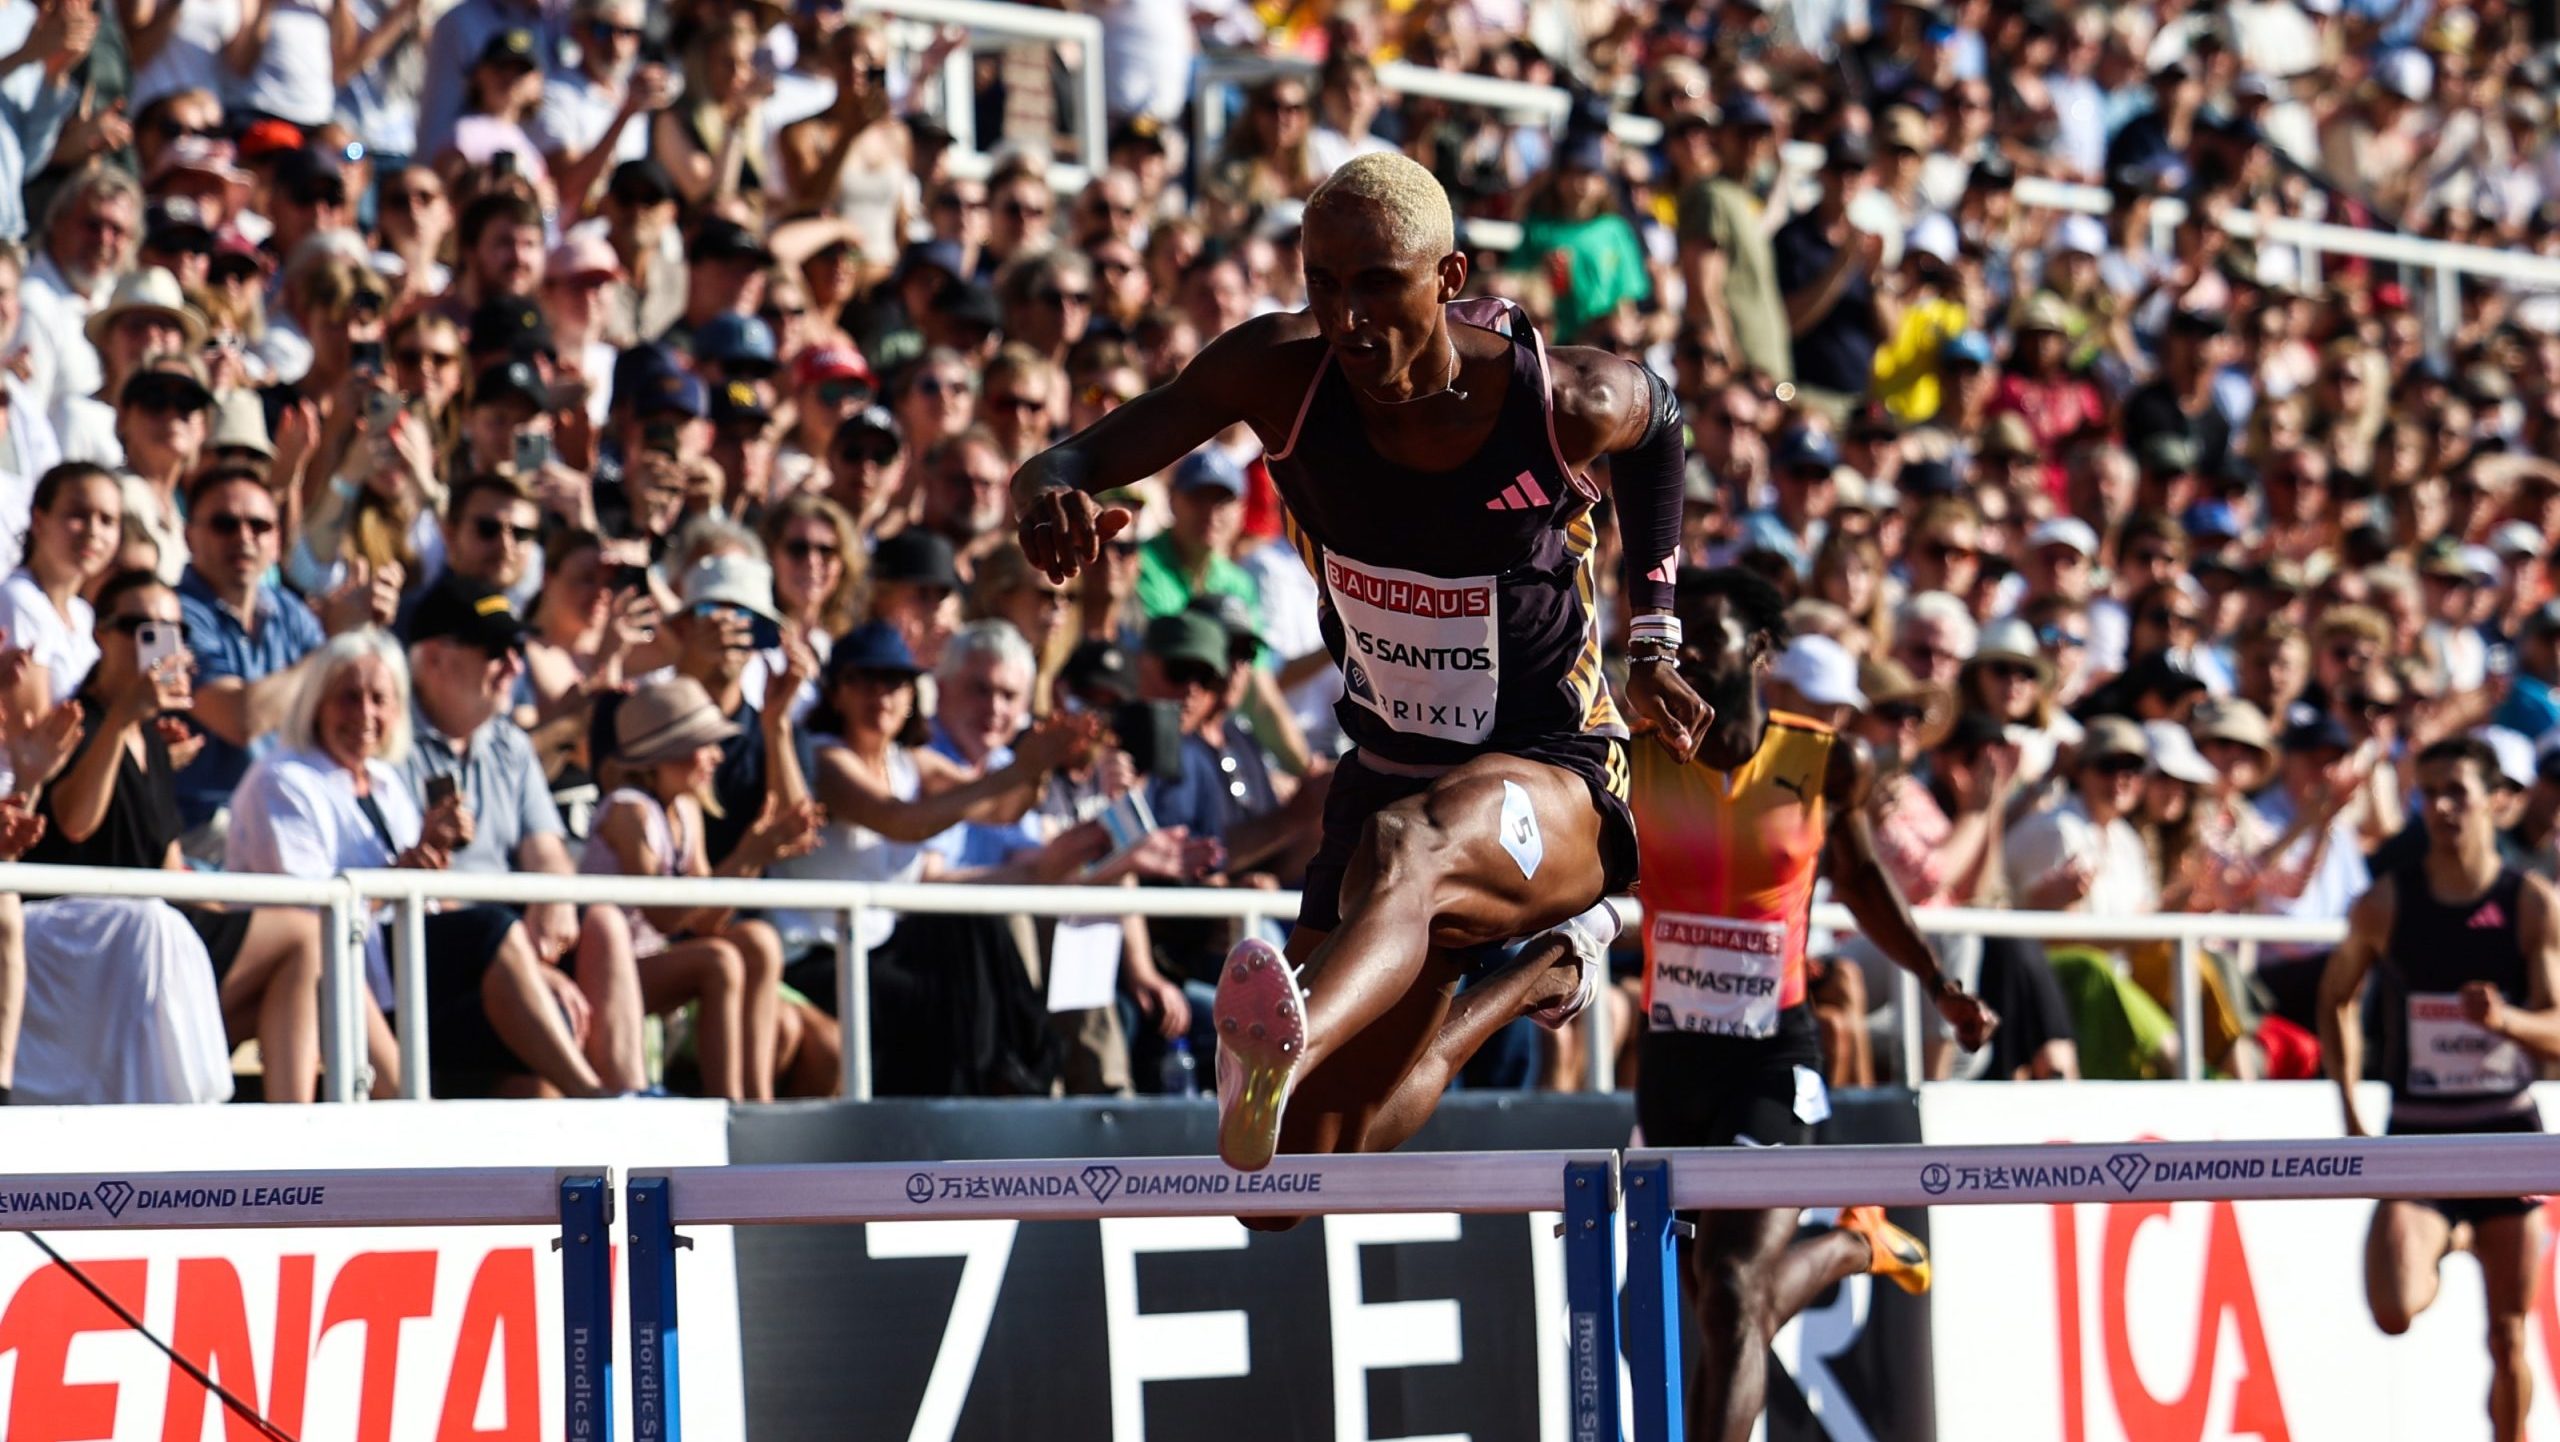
[832, 363]
[268, 136]
[2391, 296]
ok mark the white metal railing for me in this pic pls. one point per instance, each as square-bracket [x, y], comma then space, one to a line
[1012, 22]
[350, 898]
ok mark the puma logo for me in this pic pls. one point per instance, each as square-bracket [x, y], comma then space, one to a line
[1796, 788]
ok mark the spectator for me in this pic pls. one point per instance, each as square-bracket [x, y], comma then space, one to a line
[966, 501]
[854, 160]
[715, 141]
[250, 638]
[1575, 236]
[1826, 271]
[1190, 557]
[330, 798]
[91, 229]
[594, 117]
[44, 612]
[915, 588]
[951, 1001]
[669, 745]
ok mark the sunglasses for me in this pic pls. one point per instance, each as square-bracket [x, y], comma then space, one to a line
[1016, 210]
[490, 528]
[1061, 299]
[2163, 616]
[1121, 549]
[804, 549]
[2119, 765]
[610, 31]
[1943, 551]
[838, 393]
[128, 624]
[232, 524]
[960, 202]
[1902, 713]
[1024, 404]
[440, 359]
[2010, 671]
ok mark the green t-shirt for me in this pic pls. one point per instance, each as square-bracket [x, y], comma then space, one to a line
[1596, 265]
[1164, 586]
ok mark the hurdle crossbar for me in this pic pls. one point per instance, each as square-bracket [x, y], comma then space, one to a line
[576, 1200]
[1581, 1185]
[1934, 1176]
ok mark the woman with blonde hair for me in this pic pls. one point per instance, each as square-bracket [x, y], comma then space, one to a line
[853, 159]
[713, 141]
[1270, 156]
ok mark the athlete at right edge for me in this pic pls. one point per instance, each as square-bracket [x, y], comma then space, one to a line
[1729, 844]
[2471, 944]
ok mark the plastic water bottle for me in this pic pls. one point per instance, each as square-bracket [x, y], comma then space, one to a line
[1181, 1069]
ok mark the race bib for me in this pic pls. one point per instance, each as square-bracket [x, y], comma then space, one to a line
[1422, 652]
[1716, 976]
[2451, 1057]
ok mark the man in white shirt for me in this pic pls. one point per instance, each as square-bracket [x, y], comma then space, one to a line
[90, 234]
[596, 115]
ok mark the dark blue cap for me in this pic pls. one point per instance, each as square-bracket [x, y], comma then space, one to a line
[1747, 110]
[872, 646]
[1209, 466]
[941, 255]
[741, 342]
[1804, 448]
[675, 394]
[2211, 518]
[1588, 150]
[638, 368]
[1929, 478]
[2318, 733]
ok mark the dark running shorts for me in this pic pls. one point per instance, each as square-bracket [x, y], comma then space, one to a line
[1721, 1091]
[2475, 1209]
[1360, 793]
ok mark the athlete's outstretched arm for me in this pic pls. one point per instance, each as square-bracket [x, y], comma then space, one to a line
[1060, 526]
[1863, 885]
[2537, 1025]
[2342, 993]
[1606, 405]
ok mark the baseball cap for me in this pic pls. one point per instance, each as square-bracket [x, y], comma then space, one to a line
[311, 177]
[513, 324]
[511, 47]
[873, 646]
[741, 343]
[916, 557]
[673, 392]
[732, 580]
[1821, 670]
[1187, 636]
[197, 155]
[2070, 531]
[475, 613]
[2322, 732]
[1236, 615]
[2112, 736]
[2211, 519]
[969, 303]
[1206, 467]
[1971, 348]
[738, 401]
[2166, 452]
[1930, 478]
[1099, 667]
[1746, 110]
[2516, 538]
[514, 379]
[2080, 235]
[1805, 449]
[718, 237]
[175, 221]
[832, 363]
[1140, 130]
[942, 255]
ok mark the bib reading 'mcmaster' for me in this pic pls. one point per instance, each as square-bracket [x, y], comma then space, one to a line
[1458, 602]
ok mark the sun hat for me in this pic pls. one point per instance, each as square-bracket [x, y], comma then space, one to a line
[665, 720]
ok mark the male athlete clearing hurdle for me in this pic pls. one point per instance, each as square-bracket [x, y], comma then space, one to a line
[1730, 1054]
[1434, 471]
[2472, 953]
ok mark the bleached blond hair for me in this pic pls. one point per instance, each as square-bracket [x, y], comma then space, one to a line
[1397, 187]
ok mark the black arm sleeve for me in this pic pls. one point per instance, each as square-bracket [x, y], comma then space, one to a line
[1647, 483]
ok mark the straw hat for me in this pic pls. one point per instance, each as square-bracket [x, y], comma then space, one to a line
[667, 720]
[1887, 682]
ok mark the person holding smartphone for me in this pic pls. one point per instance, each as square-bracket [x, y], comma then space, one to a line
[133, 1000]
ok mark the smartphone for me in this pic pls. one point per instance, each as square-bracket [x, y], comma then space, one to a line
[503, 163]
[627, 578]
[664, 437]
[1151, 732]
[533, 452]
[441, 789]
[379, 409]
[365, 355]
[156, 641]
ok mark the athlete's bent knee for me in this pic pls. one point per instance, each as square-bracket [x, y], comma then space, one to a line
[1406, 846]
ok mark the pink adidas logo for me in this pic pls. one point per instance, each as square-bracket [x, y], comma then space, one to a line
[1520, 495]
[2489, 917]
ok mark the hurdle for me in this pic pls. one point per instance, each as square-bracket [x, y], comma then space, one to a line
[1581, 1185]
[1660, 1184]
[578, 1200]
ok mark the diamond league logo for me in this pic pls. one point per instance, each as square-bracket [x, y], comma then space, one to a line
[114, 1196]
[1102, 1181]
[919, 1188]
[1935, 1179]
[2128, 1168]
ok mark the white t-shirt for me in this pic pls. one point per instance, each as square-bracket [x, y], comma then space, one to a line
[296, 77]
[192, 59]
[2049, 840]
[575, 111]
[66, 648]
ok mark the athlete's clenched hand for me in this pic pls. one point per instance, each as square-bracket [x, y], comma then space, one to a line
[1971, 1018]
[1062, 530]
[1660, 701]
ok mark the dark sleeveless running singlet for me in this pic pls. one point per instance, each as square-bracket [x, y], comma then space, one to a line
[2440, 1066]
[1458, 603]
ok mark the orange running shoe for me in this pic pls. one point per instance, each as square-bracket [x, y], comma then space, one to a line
[1899, 1257]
